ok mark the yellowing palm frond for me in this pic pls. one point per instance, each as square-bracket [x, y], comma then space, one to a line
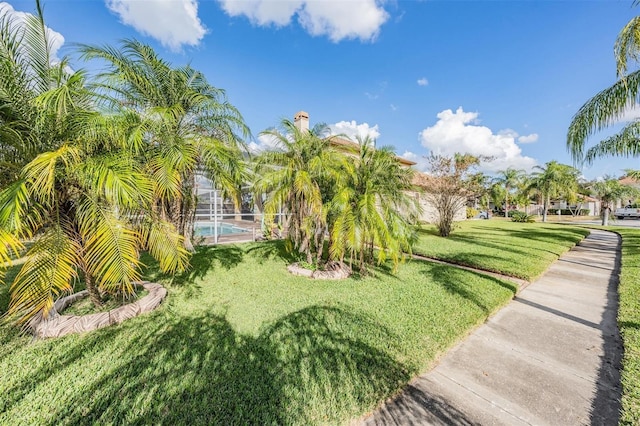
[111, 247]
[46, 274]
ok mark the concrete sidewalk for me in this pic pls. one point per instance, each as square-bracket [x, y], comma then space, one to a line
[550, 357]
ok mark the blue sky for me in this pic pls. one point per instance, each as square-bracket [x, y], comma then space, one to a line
[500, 78]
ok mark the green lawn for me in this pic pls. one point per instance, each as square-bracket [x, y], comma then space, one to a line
[629, 324]
[522, 250]
[241, 341]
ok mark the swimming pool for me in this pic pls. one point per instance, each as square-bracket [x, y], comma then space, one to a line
[206, 229]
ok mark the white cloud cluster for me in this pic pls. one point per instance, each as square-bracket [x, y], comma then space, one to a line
[338, 20]
[459, 132]
[174, 23]
[56, 40]
[352, 130]
[263, 143]
[423, 81]
[533, 137]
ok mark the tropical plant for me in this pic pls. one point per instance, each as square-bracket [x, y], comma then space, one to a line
[509, 180]
[448, 186]
[608, 106]
[181, 124]
[87, 205]
[28, 70]
[608, 191]
[518, 216]
[293, 176]
[554, 180]
[372, 212]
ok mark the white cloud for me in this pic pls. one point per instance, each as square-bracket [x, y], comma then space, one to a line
[393, 107]
[459, 132]
[422, 164]
[630, 114]
[264, 143]
[351, 129]
[423, 81]
[338, 20]
[533, 137]
[56, 39]
[172, 22]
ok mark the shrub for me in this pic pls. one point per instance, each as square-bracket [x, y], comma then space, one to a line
[514, 212]
[471, 212]
[521, 217]
[567, 212]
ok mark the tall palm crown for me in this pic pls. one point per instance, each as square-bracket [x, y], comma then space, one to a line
[371, 208]
[28, 71]
[608, 191]
[184, 123]
[554, 180]
[509, 179]
[607, 107]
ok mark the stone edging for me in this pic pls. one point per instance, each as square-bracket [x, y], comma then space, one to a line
[61, 325]
[337, 274]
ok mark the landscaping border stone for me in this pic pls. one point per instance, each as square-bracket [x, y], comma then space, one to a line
[336, 271]
[61, 325]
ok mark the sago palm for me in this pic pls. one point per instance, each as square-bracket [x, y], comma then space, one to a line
[185, 125]
[372, 210]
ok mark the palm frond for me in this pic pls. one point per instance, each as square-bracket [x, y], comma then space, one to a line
[46, 274]
[602, 110]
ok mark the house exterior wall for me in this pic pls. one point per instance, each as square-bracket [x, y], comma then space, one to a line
[429, 212]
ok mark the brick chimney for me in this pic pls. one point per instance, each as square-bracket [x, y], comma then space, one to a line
[301, 120]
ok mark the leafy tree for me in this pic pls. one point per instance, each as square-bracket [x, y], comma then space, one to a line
[509, 180]
[181, 123]
[448, 185]
[608, 191]
[293, 176]
[607, 107]
[372, 210]
[554, 180]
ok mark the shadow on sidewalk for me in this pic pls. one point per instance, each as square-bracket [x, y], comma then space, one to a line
[605, 408]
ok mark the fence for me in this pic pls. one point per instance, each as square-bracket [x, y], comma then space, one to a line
[219, 220]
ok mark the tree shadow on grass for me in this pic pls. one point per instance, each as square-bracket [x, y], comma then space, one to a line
[455, 281]
[316, 365]
[275, 249]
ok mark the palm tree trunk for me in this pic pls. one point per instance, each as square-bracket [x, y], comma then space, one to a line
[545, 206]
[94, 293]
[506, 202]
[605, 214]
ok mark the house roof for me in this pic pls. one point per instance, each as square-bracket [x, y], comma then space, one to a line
[626, 180]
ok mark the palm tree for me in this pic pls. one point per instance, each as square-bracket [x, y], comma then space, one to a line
[372, 209]
[608, 191]
[293, 176]
[184, 126]
[27, 71]
[608, 106]
[88, 205]
[554, 180]
[509, 179]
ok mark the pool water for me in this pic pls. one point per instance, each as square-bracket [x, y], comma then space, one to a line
[206, 229]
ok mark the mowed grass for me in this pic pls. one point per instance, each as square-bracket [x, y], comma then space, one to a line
[241, 341]
[522, 250]
[629, 324]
